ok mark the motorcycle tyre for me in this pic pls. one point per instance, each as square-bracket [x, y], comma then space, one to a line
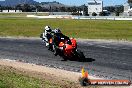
[80, 56]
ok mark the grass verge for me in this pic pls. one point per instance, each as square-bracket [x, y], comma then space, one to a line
[12, 78]
[87, 29]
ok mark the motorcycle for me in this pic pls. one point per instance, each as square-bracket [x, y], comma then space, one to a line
[68, 50]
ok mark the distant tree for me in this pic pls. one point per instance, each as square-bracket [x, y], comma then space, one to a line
[119, 9]
[56, 9]
[26, 8]
[74, 9]
[129, 1]
[80, 8]
[0, 8]
[94, 14]
[69, 9]
[19, 7]
[85, 10]
[11, 8]
[117, 13]
[62, 9]
[45, 9]
[102, 14]
[39, 8]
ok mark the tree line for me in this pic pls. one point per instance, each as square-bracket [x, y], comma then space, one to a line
[38, 8]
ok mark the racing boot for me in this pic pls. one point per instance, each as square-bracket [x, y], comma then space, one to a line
[51, 47]
[47, 44]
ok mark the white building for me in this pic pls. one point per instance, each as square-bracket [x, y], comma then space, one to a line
[128, 9]
[95, 6]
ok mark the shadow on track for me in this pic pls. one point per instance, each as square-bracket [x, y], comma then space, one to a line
[89, 60]
[84, 60]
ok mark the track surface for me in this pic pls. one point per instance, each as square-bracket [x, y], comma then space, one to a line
[109, 60]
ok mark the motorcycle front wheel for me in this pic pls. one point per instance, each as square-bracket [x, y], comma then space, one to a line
[80, 56]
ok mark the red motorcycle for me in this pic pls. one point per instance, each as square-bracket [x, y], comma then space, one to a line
[68, 50]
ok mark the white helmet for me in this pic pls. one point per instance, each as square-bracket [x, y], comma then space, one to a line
[47, 28]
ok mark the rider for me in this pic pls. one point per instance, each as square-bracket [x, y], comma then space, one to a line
[57, 38]
[47, 34]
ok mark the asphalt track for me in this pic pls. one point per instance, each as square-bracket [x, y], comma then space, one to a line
[110, 60]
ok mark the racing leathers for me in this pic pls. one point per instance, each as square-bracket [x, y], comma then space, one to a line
[57, 38]
[47, 35]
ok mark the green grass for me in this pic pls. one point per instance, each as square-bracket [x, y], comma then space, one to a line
[10, 78]
[88, 29]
